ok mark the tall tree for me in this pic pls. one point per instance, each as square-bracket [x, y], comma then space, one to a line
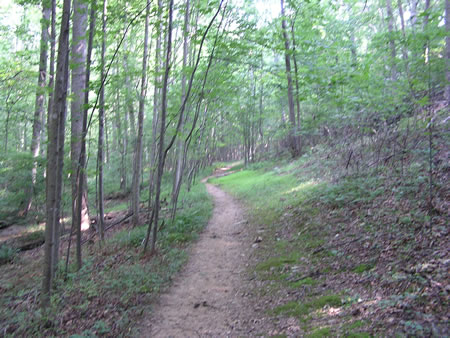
[135, 199]
[156, 103]
[287, 58]
[447, 49]
[161, 157]
[39, 103]
[390, 20]
[55, 156]
[101, 120]
[78, 86]
[179, 167]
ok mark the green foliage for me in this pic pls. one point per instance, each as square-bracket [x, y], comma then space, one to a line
[352, 191]
[300, 309]
[101, 327]
[276, 262]
[322, 332]
[358, 335]
[132, 238]
[191, 218]
[363, 267]
[7, 254]
[267, 191]
[304, 281]
[15, 178]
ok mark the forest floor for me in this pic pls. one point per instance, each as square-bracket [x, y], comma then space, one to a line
[206, 299]
[285, 253]
[340, 259]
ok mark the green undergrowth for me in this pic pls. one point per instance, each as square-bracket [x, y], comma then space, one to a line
[344, 233]
[300, 309]
[116, 285]
[267, 192]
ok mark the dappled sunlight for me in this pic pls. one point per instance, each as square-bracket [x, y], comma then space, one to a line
[331, 311]
[304, 186]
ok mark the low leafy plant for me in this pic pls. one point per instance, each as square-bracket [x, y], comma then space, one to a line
[7, 254]
[363, 267]
[300, 309]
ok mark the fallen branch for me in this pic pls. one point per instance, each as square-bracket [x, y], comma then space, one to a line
[123, 219]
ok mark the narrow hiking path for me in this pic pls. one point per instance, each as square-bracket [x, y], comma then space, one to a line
[206, 299]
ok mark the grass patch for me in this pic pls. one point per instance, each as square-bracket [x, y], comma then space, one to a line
[267, 192]
[114, 207]
[322, 332]
[298, 309]
[355, 325]
[361, 268]
[358, 335]
[276, 262]
[303, 282]
[7, 254]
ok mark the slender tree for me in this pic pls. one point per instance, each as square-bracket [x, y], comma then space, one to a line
[78, 86]
[156, 104]
[39, 103]
[101, 120]
[135, 200]
[179, 168]
[447, 49]
[390, 20]
[287, 58]
[55, 156]
[161, 157]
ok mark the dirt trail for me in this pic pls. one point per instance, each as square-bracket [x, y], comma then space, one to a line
[206, 298]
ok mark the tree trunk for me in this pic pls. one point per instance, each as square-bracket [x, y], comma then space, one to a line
[162, 153]
[447, 49]
[287, 58]
[297, 89]
[39, 103]
[155, 212]
[55, 157]
[156, 105]
[390, 18]
[138, 149]
[78, 66]
[402, 22]
[179, 148]
[101, 120]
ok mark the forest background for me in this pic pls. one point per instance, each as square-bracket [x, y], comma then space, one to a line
[122, 105]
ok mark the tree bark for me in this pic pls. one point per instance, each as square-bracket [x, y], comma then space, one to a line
[287, 58]
[55, 157]
[297, 89]
[39, 103]
[156, 105]
[426, 18]
[138, 149]
[79, 55]
[390, 18]
[155, 211]
[101, 118]
[447, 50]
[179, 148]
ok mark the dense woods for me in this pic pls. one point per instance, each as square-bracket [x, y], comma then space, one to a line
[129, 103]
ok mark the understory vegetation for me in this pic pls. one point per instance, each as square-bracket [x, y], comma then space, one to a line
[117, 284]
[337, 112]
[348, 248]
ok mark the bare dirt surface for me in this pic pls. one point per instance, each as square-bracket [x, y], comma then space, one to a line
[207, 298]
